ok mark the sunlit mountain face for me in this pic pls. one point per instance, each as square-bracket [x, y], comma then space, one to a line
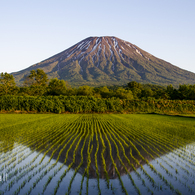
[97, 61]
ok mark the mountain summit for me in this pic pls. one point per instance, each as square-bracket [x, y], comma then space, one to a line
[107, 60]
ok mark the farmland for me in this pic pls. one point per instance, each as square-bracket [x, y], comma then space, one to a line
[97, 154]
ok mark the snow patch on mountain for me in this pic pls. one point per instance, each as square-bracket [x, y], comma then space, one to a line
[104, 51]
[80, 44]
[83, 45]
[121, 55]
[139, 52]
[73, 51]
[80, 55]
[95, 46]
[100, 47]
[88, 45]
[126, 43]
[116, 45]
[98, 53]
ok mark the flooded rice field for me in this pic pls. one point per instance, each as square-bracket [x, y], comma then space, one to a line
[97, 154]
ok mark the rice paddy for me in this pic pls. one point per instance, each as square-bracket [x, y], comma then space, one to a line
[96, 154]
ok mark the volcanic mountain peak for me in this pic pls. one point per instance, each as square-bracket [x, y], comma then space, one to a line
[94, 47]
[106, 61]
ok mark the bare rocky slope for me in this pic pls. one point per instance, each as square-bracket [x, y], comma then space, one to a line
[97, 61]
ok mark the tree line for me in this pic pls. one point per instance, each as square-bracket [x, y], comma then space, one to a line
[88, 104]
[38, 84]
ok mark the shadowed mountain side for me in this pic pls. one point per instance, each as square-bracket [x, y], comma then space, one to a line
[97, 61]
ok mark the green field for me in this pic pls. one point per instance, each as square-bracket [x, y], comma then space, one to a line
[97, 154]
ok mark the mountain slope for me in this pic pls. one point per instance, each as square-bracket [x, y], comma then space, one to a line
[99, 61]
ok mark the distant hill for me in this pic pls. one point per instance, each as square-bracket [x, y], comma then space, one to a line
[97, 61]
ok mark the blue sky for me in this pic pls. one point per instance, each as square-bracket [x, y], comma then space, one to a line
[31, 31]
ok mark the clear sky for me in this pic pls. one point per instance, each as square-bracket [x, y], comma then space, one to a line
[31, 31]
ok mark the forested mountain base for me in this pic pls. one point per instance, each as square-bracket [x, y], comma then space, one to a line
[58, 97]
[86, 104]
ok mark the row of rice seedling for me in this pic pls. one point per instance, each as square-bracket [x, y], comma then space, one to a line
[44, 143]
[86, 133]
[69, 133]
[89, 151]
[96, 161]
[26, 171]
[29, 143]
[23, 134]
[166, 170]
[44, 168]
[74, 139]
[102, 153]
[109, 132]
[74, 155]
[30, 169]
[17, 149]
[18, 131]
[152, 142]
[110, 148]
[121, 138]
[10, 175]
[146, 144]
[108, 144]
[144, 158]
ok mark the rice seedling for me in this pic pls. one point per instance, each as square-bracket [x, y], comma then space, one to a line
[35, 150]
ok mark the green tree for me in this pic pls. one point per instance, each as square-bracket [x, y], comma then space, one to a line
[161, 94]
[183, 92]
[186, 92]
[192, 92]
[7, 84]
[134, 84]
[37, 81]
[71, 91]
[57, 87]
[85, 90]
[136, 88]
[172, 93]
[36, 78]
[146, 93]
[105, 92]
[124, 94]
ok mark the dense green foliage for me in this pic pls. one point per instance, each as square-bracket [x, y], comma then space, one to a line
[80, 104]
[97, 154]
[40, 95]
[36, 84]
[7, 84]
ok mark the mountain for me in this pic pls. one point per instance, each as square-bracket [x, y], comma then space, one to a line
[97, 61]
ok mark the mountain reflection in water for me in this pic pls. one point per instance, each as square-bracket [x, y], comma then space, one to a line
[92, 170]
[104, 154]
